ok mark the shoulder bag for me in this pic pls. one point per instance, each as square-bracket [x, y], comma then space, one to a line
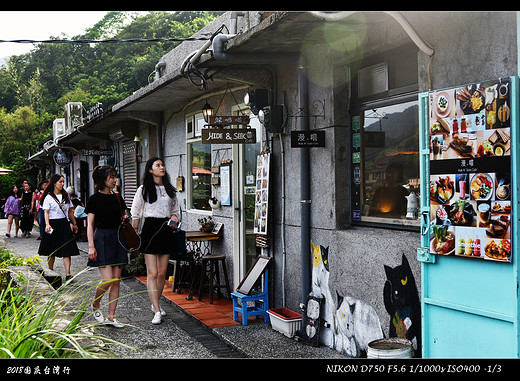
[132, 239]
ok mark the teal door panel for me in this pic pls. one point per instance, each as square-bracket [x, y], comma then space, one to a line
[458, 334]
[469, 306]
[480, 284]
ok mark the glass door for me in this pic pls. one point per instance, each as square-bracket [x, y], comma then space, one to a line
[244, 175]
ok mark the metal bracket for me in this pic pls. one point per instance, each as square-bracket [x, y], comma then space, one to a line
[424, 255]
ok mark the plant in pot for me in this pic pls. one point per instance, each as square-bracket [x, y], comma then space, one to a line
[206, 224]
[136, 266]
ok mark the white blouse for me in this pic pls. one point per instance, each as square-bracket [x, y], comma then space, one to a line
[162, 208]
[55, 211]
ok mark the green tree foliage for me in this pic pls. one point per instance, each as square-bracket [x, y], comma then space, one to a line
[34, 87]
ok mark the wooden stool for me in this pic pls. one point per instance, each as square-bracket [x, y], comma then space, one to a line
[213, 261]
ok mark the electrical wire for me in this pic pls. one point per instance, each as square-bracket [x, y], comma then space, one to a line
[92, 41]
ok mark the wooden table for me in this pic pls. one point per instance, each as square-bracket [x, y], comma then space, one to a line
[199, 243]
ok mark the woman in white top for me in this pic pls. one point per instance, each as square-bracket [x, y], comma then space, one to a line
[156, 202]
[58, 240]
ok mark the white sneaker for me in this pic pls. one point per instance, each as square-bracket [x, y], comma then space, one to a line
[113, 323]
[163, 313]
[157, 318]
[98, 316]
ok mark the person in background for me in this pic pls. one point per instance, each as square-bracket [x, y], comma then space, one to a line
[12, 211]
[58, 240]
[27, 209]
[106, 242]
[390, 198]
[81, 216]
[39, 210]
[156, 201]
[72, 194]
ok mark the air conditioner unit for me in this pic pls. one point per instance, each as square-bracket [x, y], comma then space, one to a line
[58, 128]
[73, 116]
[373, 80]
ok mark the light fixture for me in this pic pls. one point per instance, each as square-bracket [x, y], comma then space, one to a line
[256, 100]
[138, 139]
[207, 111]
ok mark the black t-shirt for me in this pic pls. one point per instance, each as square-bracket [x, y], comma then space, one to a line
[106, 210]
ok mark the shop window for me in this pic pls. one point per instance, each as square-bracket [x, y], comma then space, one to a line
[199, 165]
[386, 165]
[200, 179]
[385, 143]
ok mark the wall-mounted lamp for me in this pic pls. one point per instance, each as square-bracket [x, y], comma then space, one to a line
[138, 139]
[207, 111]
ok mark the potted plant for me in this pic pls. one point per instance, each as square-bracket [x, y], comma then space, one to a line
[136, 266]
[206, 224]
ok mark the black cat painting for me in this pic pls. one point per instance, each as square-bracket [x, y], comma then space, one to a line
[402, 302]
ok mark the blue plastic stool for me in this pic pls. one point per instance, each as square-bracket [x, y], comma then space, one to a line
[260, 299]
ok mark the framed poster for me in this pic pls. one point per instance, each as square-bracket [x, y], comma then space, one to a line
[470, 170]
[262, 193]
[253, 275]
[225, 185]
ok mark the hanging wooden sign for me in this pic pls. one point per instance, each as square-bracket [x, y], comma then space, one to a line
[228, 136]
[223, 120]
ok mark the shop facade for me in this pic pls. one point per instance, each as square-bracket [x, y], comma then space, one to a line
[338, 148]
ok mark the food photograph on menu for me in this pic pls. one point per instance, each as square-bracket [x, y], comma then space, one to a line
[470, 180]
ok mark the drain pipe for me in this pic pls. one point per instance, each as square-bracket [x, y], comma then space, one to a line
[305, 182]
[160, 142]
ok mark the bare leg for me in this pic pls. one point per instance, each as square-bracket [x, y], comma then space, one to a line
[66, 264]
[50, 262]
[9, 223]
[110, 280]
[156, 265]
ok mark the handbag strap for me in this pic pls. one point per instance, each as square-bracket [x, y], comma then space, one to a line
[57, 202]
[120, 204]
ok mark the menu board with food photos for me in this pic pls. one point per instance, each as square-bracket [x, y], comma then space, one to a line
[262, 193]
[470, 170]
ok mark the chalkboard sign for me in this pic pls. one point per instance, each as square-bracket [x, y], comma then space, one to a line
[252, 276]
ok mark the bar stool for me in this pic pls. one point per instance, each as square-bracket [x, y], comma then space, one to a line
[213, 261]
[183, 280]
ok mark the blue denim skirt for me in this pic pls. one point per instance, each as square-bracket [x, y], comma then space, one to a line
[109, 244]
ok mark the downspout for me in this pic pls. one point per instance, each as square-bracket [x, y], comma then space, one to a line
[305, 182]
[159, 137]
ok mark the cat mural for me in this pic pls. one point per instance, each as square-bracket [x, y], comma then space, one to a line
[402, 302]
[320, 288]
[350, 327]
[356, 324]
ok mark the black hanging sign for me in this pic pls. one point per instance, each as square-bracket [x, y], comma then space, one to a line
[303, 139]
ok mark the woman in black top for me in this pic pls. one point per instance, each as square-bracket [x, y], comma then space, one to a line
[106, 243]
[27, 209]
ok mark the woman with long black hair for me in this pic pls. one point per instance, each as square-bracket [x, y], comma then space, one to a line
[58, 240]
[156, 202]
[27, 209]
